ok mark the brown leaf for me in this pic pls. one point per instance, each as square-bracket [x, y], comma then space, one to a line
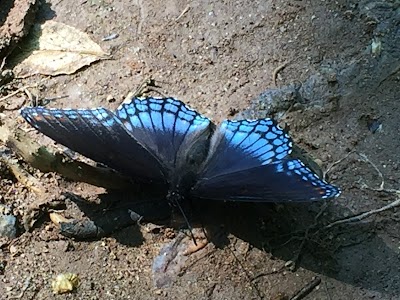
[55, 48]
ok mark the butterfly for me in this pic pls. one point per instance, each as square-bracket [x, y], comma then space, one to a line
[162, 141]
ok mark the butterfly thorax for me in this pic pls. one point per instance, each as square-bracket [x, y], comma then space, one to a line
[188, 162]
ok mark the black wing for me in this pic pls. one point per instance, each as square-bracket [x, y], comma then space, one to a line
[172, 132]
[249, 161]
[97, 134]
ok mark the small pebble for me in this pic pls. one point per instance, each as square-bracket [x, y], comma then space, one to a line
[8, 226]
[65, 283]
[110, 37]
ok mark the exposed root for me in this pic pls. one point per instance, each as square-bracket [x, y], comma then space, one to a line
[362, 216]
[335, 164]
[366, 159]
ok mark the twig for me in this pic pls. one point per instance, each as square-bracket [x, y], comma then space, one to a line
[23, 176]
[262, 274]
[366, 159]
[362, 216]
[395, 70]
[336, 163]
[277, 70]
[296, 258]
[246, 273]
[381, 186]
[3, 63]
[187, 8]
[307, 289]
[21, 89]
[303, 239]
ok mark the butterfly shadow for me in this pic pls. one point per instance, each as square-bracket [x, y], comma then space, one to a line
[294, 232]
[299, 233]
[113, 214]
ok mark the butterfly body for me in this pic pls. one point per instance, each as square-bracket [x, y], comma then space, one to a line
[161, 141]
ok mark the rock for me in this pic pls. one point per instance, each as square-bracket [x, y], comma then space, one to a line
[8, 226]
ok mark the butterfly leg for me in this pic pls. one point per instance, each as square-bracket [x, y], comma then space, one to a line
[147, 86]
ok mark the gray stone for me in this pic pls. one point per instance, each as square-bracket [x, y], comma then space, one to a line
[8, 226]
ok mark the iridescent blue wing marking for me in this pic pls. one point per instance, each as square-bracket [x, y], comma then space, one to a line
[241, 145]
[249, 161]
[167, 127]
[97, 134]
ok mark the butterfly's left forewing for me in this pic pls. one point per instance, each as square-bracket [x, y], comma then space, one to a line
[97, 134]
[249, 161]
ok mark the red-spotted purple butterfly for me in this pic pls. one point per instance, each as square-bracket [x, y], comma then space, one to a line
[162, 141]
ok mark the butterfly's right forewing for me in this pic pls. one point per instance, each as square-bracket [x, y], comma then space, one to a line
[250, 161]
[99, 135]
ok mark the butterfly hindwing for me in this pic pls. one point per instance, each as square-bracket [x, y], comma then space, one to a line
[279, 181]
[97, 134]
[167, 127]
[249, 161]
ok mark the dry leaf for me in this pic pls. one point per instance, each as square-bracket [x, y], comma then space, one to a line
[55, 48]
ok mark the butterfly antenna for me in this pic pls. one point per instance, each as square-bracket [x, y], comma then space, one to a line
[186, 220]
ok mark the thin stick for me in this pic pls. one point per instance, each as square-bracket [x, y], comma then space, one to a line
[187, 8]
[366, 159]
[395, 70]
[362, 216]
[3, 63]
[23, 176]
[336, 163]
[246, 273]
[307, 289]
[21, 89]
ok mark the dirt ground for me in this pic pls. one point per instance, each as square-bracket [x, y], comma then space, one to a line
[337, 93]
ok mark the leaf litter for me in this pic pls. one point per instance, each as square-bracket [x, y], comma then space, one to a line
[55, 48]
